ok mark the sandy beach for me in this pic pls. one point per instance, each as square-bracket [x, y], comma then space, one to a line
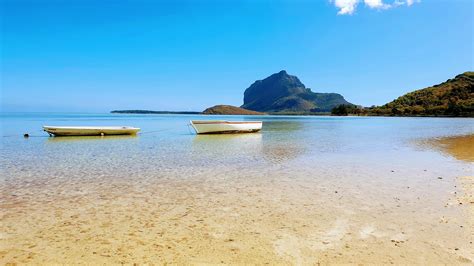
[269, 203]
[461, 148]
[229, 221]
[207, 132]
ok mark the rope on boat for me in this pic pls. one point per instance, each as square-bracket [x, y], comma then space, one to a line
[153, 131]
[190, 132]
[166, 129]
[156, 131]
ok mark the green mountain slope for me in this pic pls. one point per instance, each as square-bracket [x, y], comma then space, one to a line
[455, 97]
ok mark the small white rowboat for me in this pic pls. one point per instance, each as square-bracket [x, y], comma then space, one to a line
[90, 131]
[222, 127]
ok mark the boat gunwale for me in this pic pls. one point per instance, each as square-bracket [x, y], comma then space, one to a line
[92, 127]
[230, 132]
[65, 131]
[203, 122]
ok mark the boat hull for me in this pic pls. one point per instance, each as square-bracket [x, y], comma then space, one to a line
[90, 131]
[226, 127]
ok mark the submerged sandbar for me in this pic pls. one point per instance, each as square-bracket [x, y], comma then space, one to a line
[460, 147]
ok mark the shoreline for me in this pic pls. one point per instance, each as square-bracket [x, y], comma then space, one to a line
[281, 114]
[306, 191]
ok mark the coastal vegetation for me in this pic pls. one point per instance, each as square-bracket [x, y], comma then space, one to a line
[346, 109]
[455, 97]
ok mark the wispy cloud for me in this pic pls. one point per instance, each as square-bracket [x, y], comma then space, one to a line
[377, 4]
[348, 7]
[409, 2]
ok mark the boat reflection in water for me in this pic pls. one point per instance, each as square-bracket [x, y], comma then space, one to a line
[228, 143]
[226, 149]
[92, 138]
[275, 144]
[279, 145]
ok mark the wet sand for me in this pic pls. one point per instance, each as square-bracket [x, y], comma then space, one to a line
[461, 148]
[222, 220]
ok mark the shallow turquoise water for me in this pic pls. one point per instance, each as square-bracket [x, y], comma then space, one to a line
[354, 169]
[166, 141]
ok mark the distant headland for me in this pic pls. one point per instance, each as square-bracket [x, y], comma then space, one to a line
[229, 110]
[284, 94]
[154, 112]
[215, 110]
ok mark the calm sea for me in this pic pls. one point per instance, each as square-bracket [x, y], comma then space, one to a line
[311, 173]
[166, 141]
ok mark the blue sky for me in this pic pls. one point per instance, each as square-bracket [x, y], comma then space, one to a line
[95, 56]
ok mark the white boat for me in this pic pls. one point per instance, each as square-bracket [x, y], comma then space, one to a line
[222, 127]
[90, 131]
